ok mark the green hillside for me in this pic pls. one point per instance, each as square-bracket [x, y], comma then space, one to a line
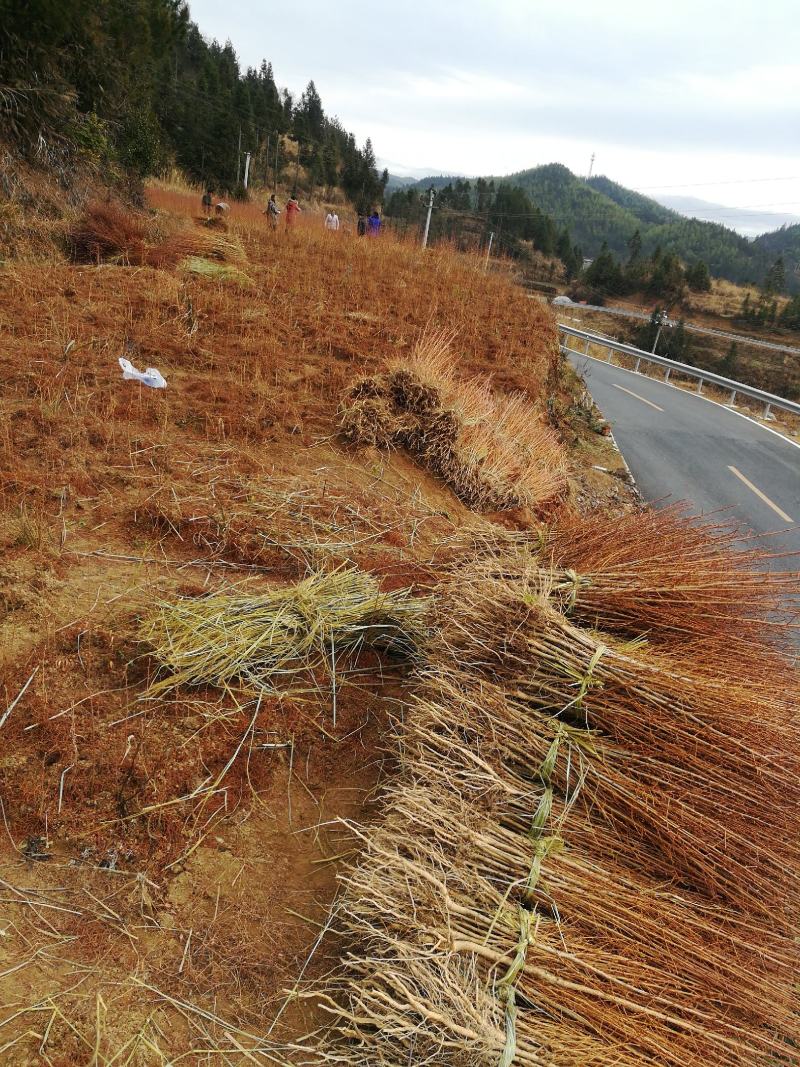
[600, 211]
[783, 242]
[591, 217]
[648, 211]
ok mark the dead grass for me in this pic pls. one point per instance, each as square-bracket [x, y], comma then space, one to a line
[113, 497]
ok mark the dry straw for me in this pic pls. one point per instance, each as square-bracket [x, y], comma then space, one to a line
[269, 641]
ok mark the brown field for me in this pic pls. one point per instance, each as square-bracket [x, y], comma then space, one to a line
[339, 675]
[139, 899]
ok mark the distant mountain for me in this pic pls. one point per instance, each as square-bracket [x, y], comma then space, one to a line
[397, 182]
[650, 212]
[746, 221]
[600, 211]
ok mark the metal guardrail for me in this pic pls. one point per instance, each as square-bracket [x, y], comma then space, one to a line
[769, 400]
[629, 313]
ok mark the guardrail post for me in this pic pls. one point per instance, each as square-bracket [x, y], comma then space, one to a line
[767, 412]
[609, 353]
[636, 368]
[700, 385]
[667, 374]
[732, 401]
[586, 347]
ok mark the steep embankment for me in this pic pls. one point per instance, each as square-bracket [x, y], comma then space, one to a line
[168, 855]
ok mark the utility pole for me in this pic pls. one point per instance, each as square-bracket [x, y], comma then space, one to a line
[428, 220]
[591, 167]
[662, 320]
[246, 168]
[488, 252]
[239, 156]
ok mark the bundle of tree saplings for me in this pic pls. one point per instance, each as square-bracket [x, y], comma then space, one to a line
[493, 451]
[589, 856]
[269, 640]
[668, 574]
[700, 767]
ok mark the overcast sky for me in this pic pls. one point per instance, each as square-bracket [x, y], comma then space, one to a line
[696, 97]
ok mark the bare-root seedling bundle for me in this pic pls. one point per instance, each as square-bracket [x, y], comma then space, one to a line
[671, 576]
[590, 855]
[493, 451]
[108, 230]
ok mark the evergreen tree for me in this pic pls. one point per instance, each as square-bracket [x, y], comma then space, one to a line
[697, 277]
[790, 316]
[775, 279]
[605, 275]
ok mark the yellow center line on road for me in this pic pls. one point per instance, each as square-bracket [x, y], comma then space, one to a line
[630, 392]
[760, 495]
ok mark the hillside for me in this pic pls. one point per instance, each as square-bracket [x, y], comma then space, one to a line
[157, 835]
[130, 92]
[601, 211]
[782, 242]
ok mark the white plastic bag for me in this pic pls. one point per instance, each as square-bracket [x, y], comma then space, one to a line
[150, 377]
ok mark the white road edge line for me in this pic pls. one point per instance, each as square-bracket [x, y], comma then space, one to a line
[630, 392]
[700, 396]
[762, 496]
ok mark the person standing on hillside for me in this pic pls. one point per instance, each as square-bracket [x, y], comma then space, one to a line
[208, 202]
[374, 224]
[331, 221]
[272, 212]
[361, 229]
[292, 211]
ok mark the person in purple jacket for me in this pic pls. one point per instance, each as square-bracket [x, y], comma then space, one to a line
[374, 224]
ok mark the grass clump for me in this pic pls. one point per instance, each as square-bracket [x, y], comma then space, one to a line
[492, 450]
[219, 272]
[267, 640]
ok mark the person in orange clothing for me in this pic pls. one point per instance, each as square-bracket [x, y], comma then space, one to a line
[292, 211]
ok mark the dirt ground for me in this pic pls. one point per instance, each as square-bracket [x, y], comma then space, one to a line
[167, 865]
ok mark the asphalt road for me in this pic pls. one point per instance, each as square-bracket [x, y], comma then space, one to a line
[681, 447]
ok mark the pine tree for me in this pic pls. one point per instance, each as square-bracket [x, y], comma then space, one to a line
[775, 279]
[698, 278]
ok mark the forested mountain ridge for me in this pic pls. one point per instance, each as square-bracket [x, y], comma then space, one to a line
[600, 212]
[133, 84]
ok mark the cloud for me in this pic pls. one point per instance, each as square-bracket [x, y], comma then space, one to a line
[667, 91]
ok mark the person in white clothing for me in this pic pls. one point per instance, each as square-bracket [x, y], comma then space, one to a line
[331, 221]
